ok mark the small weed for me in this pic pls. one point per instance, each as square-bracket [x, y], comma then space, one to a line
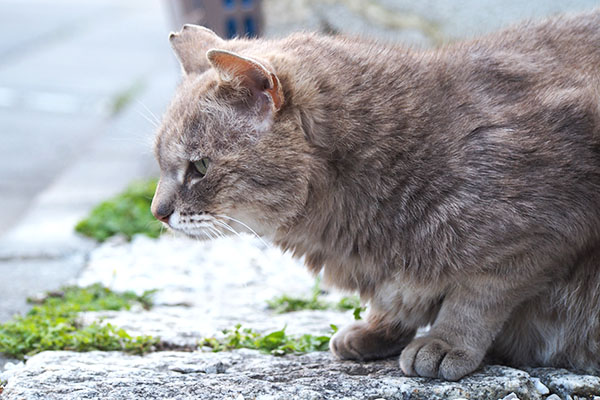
[348, 303]
[122, 99]
[127, 213]
[276, 343]
[356, 312]
[284, 303]
[53, 325]
[351, 303]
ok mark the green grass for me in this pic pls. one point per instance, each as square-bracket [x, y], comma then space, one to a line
[276, 343]
[53, 325]
[127, 214]
[285, 303]
[122, 99]
[351, 303]
[348, 303]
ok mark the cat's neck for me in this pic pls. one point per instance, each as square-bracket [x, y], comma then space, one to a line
[369, 157]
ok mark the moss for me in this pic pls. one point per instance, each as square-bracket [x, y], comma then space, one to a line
[127, 214]
[53, 324]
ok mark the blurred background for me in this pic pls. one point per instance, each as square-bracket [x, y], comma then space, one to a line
[83, 85]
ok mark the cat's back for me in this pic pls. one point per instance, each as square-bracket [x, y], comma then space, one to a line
[561, 52]
[534, 77]
[522, 76]
[571, 39]
[565, 45]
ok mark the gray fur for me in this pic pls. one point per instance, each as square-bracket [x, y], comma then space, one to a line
[458, 187]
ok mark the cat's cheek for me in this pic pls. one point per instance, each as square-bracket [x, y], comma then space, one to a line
[247, 222]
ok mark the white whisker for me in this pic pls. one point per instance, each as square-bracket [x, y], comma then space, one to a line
[245, 226]
[228, 227]
[202, 225]
[152, 122]
[156, 120]
[215, 232]
[209, 233]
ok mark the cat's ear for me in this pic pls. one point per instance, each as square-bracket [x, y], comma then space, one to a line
[249, 73]
[190, 45]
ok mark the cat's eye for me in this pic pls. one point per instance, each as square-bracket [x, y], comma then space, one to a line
[201, 166]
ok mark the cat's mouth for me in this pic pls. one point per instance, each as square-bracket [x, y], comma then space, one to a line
[206, 226]
[199, 226]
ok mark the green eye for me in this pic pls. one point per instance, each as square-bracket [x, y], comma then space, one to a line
[201, 166]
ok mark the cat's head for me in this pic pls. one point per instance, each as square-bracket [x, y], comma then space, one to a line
[228, 158]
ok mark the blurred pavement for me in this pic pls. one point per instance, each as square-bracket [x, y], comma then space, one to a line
[81, 84]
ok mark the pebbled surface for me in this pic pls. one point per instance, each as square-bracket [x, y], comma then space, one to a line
[245, 374]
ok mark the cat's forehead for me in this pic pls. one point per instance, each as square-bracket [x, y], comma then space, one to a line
[181, 122]
[198, 123]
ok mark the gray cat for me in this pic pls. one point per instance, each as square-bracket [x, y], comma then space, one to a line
[457, 187]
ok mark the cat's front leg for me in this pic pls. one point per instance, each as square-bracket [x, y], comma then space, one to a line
[466, 326]
[370, 340]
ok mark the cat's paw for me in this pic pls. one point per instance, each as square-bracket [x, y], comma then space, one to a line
[361, 341]
[434, 358]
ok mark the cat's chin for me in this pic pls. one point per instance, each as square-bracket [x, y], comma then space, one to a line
[200, 236]
[196, 235]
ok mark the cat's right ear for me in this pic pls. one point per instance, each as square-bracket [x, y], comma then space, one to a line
[249, 73]
[191, 44]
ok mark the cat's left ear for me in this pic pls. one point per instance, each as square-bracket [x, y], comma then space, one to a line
[190, 44]
[250, 73]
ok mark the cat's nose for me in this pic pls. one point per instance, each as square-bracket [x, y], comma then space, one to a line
[162, 213]
[163, 201]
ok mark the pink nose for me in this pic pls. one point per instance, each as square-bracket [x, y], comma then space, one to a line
[163, 218]
[162, 213]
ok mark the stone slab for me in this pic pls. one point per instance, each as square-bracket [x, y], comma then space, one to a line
[245, 374]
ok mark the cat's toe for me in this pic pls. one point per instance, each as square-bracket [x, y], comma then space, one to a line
[434, 358]
[364, 341]
[458, 363]
[344, 343]
[423, 356]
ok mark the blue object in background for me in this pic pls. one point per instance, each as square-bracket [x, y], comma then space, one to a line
[231, 28]
[249, 27]
[228, 3]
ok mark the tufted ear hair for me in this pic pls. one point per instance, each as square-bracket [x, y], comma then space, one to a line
[249, 73]
[190, 45]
